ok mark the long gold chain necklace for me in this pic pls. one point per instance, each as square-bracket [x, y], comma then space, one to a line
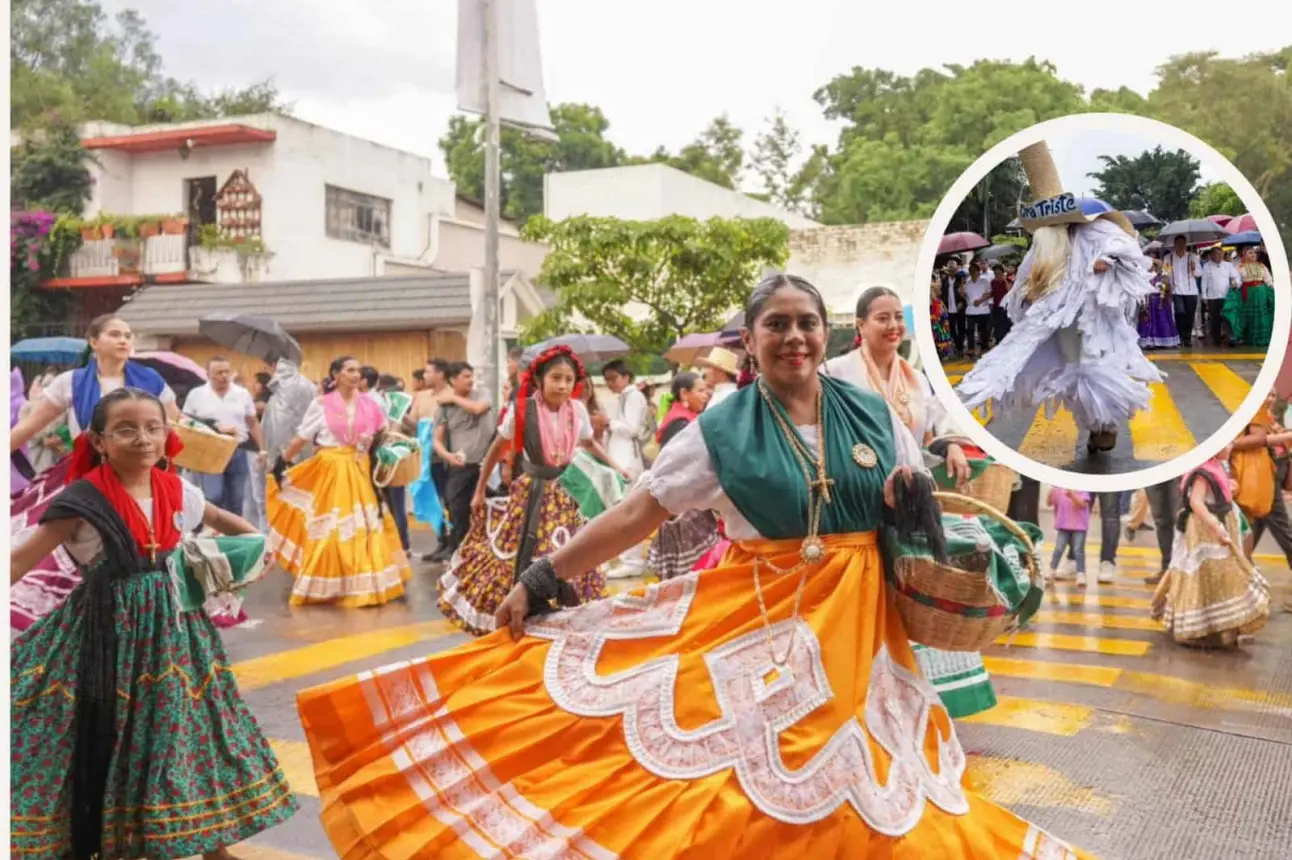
[812, 549]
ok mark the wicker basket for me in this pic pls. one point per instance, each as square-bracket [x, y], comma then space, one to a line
[931, 621]
[208, 453]
[408, 470]
[993, 488]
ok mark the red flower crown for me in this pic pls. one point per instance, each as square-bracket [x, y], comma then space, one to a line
[529, 380]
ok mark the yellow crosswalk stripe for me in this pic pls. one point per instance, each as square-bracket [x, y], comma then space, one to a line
[1097, 620]
[1230, 388]
[1160, 433]
[1050, 440]
[1096, 601]
[1034, 715]
[298, 662]
[298, 766]
[1069, 642]
[1011, 782]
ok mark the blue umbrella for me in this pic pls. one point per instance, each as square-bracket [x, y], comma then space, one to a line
[51, 350]
[1249, 237]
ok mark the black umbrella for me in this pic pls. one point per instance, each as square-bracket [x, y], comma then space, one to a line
[588, 347]
[1000, 252]
[260, 337]
[1195, 231]
[1141, 218]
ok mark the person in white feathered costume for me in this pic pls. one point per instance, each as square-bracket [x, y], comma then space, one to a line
[1074, 303]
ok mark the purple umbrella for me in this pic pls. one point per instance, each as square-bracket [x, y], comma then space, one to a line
[955, 243]
[179, 371]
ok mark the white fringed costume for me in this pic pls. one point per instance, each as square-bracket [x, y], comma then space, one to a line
[1077, 345]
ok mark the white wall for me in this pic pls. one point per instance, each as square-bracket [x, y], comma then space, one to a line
[290, 174]
[843, 261]
[647, 192]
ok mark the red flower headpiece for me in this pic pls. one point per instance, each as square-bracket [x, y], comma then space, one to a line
[85, 458]
[528, 381]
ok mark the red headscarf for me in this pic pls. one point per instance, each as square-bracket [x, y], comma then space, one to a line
[167, 492]
[528, 381]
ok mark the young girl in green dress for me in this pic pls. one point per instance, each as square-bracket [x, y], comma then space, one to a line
[129, 739]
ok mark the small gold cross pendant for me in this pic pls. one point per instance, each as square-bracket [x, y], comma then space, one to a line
[822, 485]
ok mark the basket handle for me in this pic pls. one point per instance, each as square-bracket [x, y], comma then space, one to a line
[1010, 526]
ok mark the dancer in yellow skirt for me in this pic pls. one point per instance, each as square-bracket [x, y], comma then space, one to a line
[327, 526]
[769, 707]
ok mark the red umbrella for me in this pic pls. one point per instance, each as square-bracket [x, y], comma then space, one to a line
[955, 243]
[176, 369]
[1220, 220]
[1242, 224]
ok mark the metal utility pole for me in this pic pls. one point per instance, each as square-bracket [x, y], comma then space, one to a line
[492, 202]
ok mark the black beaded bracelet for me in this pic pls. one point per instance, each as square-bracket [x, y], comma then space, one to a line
[546, 591]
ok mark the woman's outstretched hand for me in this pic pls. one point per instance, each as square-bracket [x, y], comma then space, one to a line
[958, 466]
[511, 614]
[903, 473]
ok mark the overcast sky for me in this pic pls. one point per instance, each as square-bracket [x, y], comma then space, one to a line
[662, 69]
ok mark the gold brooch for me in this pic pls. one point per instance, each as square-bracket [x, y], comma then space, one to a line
[865, 456]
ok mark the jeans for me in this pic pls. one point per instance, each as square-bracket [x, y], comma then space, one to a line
[227, 490]
[397, 501]
[957, 321]
[459, 487]
[253, 508]
[440, 478]
[1064, 539]
[1163, 501]
[1186, 317]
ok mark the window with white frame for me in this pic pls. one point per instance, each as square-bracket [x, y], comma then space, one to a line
[356, 217]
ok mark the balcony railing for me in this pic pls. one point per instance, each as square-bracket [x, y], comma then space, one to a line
[110, 258]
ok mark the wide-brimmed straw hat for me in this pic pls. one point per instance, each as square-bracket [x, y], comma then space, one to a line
[721, 359]
[1051, 204]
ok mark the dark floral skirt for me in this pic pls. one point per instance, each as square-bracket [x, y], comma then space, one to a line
[191, 771]
[682, 541]
[483, 570]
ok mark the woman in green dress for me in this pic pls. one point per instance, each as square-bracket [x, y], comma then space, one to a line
[129, 739]
[1249, 310]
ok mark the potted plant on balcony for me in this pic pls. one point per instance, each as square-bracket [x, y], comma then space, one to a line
[174, 225]
[149, 226]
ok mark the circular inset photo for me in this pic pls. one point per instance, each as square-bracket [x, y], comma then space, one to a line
[1108, 302]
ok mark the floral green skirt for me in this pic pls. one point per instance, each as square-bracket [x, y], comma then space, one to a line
[1251, 322]
[191, 771]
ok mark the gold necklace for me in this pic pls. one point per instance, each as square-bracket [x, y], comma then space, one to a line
[812, 550]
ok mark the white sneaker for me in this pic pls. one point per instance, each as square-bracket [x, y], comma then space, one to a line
[1107, 572]
[1067, 568]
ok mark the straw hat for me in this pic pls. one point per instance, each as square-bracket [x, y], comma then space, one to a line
[1052, 205]
[721, 359]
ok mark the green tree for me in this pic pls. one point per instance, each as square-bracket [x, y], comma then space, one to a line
[1216, 198]
[994, 201]
[1242, 107]
[47, 171]
[681, 275]
[776, 150]
[69, 60]
[716, 156]
[907, 139]
[1160, 181]
[581, 145]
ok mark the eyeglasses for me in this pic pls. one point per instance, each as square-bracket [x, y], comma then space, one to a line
[130, 434]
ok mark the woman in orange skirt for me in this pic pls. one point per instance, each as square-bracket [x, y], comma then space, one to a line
[327, 525]
[704, 716]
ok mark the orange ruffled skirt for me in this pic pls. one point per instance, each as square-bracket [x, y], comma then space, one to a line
[656, 724]
[325, 530]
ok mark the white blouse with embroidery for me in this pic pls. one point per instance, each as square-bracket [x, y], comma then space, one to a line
[683, 477]
[86, 544]
[849, 367]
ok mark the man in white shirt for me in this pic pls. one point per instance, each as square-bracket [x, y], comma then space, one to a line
[721, 371]
[1218, 277]
[626, 430]
[977, 311]
[1184, 289]
[231, 410]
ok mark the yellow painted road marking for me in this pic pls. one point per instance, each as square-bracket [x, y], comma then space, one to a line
[1098, 620]
[1011, 782]
[1096, 601]
[273, 668]
[1160, 433]
[297, 764]
[965, 367]
[1033, 715]
[1230, 388]
[1051, 441]
[1068, 642]
[1164, 688]
[1069, 586]
[1093, 550]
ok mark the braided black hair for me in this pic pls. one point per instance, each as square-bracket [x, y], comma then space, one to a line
[916, 512]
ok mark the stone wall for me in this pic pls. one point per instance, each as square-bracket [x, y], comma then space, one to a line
[843, 261]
